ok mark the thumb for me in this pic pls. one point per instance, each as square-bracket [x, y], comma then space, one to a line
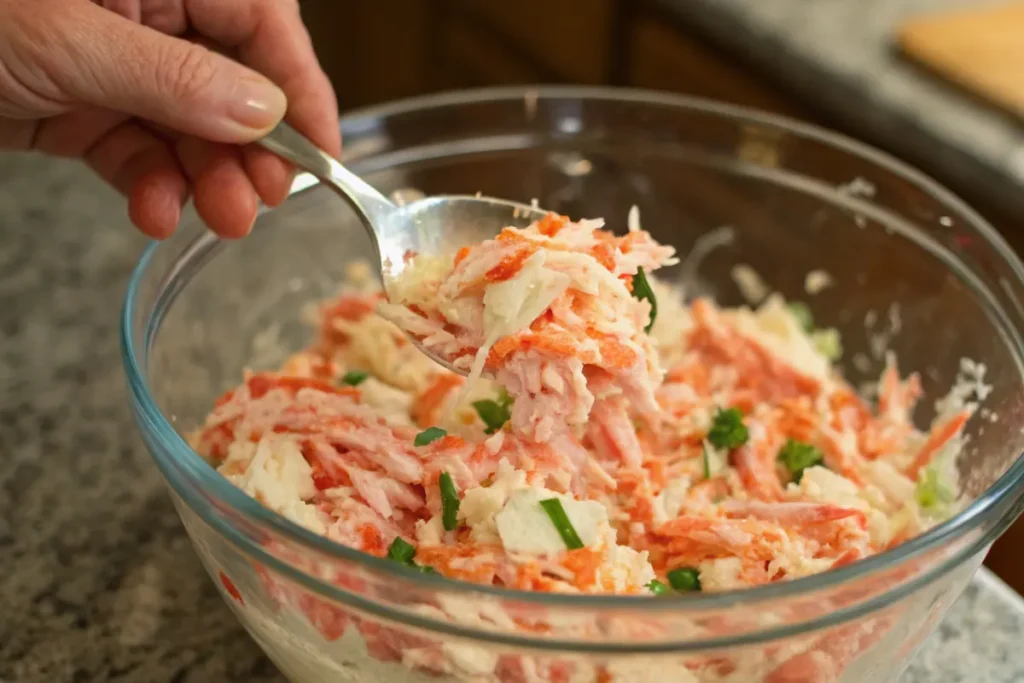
[117, 64]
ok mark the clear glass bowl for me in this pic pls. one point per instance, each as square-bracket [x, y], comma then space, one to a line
[199, 311]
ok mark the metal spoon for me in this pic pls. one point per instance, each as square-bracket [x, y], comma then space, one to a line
[440, 224]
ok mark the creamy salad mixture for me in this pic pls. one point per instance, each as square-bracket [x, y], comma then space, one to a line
[608, 438]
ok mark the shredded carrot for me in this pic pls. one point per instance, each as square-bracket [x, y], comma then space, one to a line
[352, 307]
[551, 224]
[938, 438]
[511, 235]
[445, 559]
[614, 354]
[260, 384]
[604, 253]
[583, 563]
[426, 409]
[755, 464]
[230, 587]
[509, 266]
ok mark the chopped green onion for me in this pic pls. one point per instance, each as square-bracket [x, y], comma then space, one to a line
[802, 313]
[828, 343]
[705, 460]
[492, 414]
[556, 512]
[354, 378]
[684, 579]
[642, 290]
[449, 502]
[401, 551]
[727, 430]
[931, 493]
[657, 587]
[797, 456]
[428, 436]
[495, 414]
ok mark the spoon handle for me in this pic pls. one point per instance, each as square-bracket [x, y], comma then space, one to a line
[288, 143]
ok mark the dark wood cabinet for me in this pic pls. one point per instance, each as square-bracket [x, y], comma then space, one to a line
[467, 57]
[370, 54]
[569, 40]
[661, 57]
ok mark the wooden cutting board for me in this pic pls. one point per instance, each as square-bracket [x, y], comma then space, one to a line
[979, 49]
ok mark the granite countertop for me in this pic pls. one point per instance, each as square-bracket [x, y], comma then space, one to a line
[99, 583]
[842, 55]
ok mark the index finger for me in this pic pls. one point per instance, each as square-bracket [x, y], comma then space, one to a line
[269, 36]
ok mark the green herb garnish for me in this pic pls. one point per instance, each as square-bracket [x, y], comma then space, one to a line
[828, 343]
[495, 413]
[727, 430]
[354, 378]
[797, 456]
[684, 579]
[428, 436]
[401, 551]
[802, 313]
[642, 290]
[930, 492]
[556, 512]
[705, 460]
[449, 502]
[657, 587]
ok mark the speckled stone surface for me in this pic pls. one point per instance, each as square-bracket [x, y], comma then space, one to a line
[842, 54]
[98, 582]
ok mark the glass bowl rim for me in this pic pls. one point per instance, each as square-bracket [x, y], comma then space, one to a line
[176, 458]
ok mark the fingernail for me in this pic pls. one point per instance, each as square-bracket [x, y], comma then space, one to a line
[292, 173]
[252, 225]
[257, 104]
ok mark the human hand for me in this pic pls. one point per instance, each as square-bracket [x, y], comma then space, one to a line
[159, 117]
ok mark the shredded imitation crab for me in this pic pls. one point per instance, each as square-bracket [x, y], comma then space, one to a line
[608, 439]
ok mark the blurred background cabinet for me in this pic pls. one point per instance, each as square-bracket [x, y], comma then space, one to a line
[379, 50]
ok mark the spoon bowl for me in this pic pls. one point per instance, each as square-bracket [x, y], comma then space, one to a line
[442, 224]
[431, 225]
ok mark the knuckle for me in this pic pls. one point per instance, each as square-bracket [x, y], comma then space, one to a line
[187, 71]
[34, 60]
[271, 7]
[166, 16]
